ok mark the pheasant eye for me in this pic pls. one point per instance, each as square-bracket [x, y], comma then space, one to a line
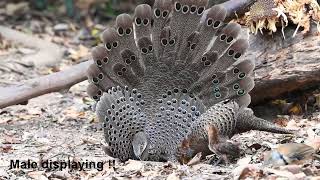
[185, 9]
[209, 22]
[223, 37]
[193, 9]
[215, 81]
[105, 59]
[242, 75]
[124, 69]
[193, 46]
[99, 63]
[115, 44]
[144, 50]
[200, 10]
[216, 89]
[138, 21]
[164, 42]
[165, 14]
[230, 39]
[120, 31]
[241, 92]
[217, 94]
[216, 24]
[172, 41]
[230, 52]
[207, 63]
[236, 86]
[203, 59]
[178, 6]
[133, 57]
[237, 55]
[119, 73]
[150, 48]
[157, 13]
[236, 70]
[95, 80]
[128, 61]
[128, 31]
[100, 76]
[108, 46]
[146, 22]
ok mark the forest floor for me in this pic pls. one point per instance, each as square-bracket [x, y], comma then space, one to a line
[61, 127]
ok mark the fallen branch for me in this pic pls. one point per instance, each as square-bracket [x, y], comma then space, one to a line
[48, 53]
[237, 7]
[18, 94]
[284, 66]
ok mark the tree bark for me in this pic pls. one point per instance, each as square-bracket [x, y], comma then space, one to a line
[282, 65]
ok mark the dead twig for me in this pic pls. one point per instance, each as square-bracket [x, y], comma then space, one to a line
[55, 82]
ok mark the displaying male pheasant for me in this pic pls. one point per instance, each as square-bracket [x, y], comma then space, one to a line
[170, 82]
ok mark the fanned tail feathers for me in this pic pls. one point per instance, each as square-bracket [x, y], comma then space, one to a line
[172, 53]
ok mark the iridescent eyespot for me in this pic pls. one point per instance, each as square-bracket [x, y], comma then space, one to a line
[216, 24]
[236, 70]
[165, 14]
[200, 10]
[138, 21]
[146, 22]
[95, 80]
[207, 63]
[216, 89]
[230, 39]
[128, 31]
[100, 76]
[115, 44]
[120, 31]
[164, 42]
[236, 86]
[108, 46]
[177, 6]
[237, 55]
[193, 9]
[144, 50]
[185, 9]
[171, 42]
[217, 94]
[230, 52]
[157, 13]
[242, 75]
[223, 37]
[240, 92]
[133, 57]
[209, 22]
[99, 63]
[150, 48]
[105, 59]
[215, 81]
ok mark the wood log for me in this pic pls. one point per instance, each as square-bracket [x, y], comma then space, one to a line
[284, 65]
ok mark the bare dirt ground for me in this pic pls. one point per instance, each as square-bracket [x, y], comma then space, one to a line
[61, 126]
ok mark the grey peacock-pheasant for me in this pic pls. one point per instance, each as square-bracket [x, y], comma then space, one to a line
[170, 82]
